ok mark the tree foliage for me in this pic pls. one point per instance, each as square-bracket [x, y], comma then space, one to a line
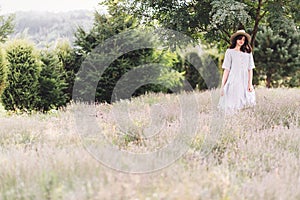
[278, 56]
[51, 82]
[22, 90]
[6, 27]
[105, 28]
[3, 70]
[70, 62]
[216, 19]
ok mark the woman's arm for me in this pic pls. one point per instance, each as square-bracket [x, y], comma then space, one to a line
[250, 77]
[224, 80]
[250, 73]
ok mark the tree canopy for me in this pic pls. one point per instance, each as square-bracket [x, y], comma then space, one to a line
[6, 26]
[214, 21]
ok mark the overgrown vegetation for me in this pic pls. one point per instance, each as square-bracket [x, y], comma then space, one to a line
[255, 154]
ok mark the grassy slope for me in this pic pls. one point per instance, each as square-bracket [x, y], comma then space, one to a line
[255, 156]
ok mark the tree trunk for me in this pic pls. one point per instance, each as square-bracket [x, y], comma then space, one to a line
[268, 80]
[255, 28]
[258, 17]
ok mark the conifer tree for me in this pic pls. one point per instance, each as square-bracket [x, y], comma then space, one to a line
[277, 57]
[70, 62]
[23, 69]
[2, 70]
[6, 26]
[51, 83]
[107, 26]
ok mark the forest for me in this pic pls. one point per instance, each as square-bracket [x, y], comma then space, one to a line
[46, 28]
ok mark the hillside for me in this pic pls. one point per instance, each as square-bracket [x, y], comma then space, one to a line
[44, 28]
[255, 154]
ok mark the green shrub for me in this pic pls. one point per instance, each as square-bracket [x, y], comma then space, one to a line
[23, 70]
[51, 83]
[2, 70]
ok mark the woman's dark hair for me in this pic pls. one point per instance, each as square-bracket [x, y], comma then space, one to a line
[245, 47]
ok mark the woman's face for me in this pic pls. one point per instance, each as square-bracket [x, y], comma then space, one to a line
[240, 40]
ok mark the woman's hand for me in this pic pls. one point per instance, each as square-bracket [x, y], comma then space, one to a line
[222, 91]
[224, 80]
[250, 88]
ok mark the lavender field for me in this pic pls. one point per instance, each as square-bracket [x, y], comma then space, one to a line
[256, 154]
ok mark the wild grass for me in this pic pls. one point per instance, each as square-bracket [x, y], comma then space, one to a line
[254, 155]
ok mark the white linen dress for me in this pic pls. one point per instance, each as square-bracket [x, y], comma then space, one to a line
[236, 95]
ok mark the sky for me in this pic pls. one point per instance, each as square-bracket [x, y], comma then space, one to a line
[11, 6]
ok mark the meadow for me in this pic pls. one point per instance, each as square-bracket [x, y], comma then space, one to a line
[255, 154]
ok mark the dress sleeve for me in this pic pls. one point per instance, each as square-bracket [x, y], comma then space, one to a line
[251, 62]
[227, 60]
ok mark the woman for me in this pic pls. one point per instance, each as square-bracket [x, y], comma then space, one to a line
[237, 90]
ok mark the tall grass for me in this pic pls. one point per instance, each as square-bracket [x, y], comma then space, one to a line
[254, 156]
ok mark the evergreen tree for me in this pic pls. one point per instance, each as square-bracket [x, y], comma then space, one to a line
[277, 56]
[22, 90]
[105, 27]
[70, 62]
[6, 26]
[2, 70]
[51, 82]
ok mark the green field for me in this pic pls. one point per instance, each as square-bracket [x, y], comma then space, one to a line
[255, 156]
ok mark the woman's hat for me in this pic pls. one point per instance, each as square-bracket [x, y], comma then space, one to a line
[240, 32]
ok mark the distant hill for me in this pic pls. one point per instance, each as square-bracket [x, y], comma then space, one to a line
[45, 28]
